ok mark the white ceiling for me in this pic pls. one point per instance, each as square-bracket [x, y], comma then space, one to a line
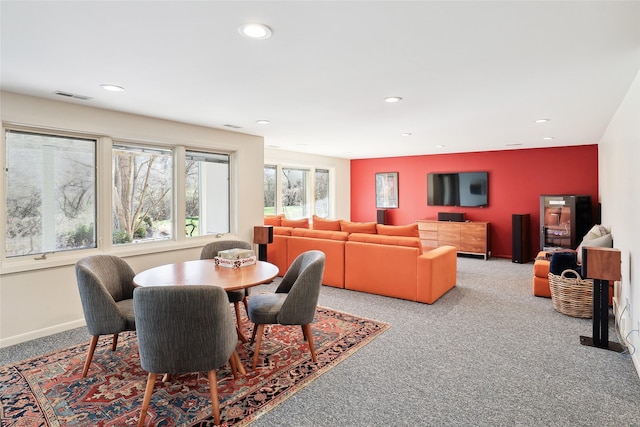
[474, 75]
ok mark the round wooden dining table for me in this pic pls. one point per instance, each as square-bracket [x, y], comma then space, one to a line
[206, 272]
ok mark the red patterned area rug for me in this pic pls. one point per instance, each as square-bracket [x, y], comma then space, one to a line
[48, 390]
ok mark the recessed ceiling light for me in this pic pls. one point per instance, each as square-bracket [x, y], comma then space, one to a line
[440, 146]
[301, 145]
[263, 122]
[392, 99]
[548, 138]
[542, 121]
[112, 88]
[406, 134]
[255, 31]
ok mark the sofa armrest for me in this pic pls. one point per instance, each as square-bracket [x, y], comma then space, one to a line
[437, 273]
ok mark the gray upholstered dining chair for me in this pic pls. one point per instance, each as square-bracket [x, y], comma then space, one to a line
[105, 283]
[294, 301]
[184, 329]
[210, 250]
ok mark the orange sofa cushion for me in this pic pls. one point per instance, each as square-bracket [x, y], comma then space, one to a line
[412, 242]
[358, 227]
[320, 234]
[277, 252]
[381, 269]
[326, 224]
[437, 273]
[330, 242]
[296, 223]
[410, 230]
[275, 220]
[282, 231]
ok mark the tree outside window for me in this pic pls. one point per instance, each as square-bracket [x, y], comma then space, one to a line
[269, 190]
[142, 194]
[50, 193]
[321, 198]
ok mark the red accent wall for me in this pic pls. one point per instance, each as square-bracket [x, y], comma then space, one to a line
[517, 178]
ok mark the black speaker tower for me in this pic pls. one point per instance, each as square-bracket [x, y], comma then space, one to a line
[520, 238]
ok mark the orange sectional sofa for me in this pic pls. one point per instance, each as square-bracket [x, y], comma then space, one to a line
[367, 257]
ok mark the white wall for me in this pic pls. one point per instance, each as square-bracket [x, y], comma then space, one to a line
[340, 176]
[618, 161]
[38, 298]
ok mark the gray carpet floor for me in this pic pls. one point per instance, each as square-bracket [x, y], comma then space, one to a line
[488, 353]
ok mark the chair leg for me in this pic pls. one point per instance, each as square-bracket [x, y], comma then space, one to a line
[92, 349]
[241, 337]
[306, 330]
[253, 334]
[256, 350]
[246, 305]
[239, 364]
[148, 391]
[114, 343]
[236, 365]
[215, 403]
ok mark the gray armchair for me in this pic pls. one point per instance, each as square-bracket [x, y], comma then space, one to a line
[209, 251]
[184, 329]
[294, 301]
[106, 288]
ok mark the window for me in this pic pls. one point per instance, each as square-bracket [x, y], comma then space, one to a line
[269, 190]
[142, 194]
[50, 193]
[53, 198]
[295, 188]
[296, 192]
[206, 193]
[321, 198]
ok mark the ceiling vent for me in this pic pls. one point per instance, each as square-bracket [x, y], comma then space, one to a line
[233, 126]
[72, 95]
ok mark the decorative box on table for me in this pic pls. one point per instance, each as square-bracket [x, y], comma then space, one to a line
[234, 258]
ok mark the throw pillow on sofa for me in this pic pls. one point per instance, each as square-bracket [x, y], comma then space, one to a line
[605, 241]
[275, 220]
[410, 230]
[358, 227]
[326, 224]
[296, 223]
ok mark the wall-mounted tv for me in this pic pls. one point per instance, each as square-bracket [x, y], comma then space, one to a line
[465, 189]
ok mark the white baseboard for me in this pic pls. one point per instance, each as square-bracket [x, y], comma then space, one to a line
[17, 339]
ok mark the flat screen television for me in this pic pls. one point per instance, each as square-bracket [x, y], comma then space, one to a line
[465, 189]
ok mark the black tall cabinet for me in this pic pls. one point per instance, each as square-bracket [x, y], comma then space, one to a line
[564, 220]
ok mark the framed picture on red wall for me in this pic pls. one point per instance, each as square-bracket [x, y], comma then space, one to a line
[386, 189]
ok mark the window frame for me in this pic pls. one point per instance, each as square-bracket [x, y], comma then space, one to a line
[7, 128]
[104, 194]
[311, 193]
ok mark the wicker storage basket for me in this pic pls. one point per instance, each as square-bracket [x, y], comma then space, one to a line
[572, 296]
